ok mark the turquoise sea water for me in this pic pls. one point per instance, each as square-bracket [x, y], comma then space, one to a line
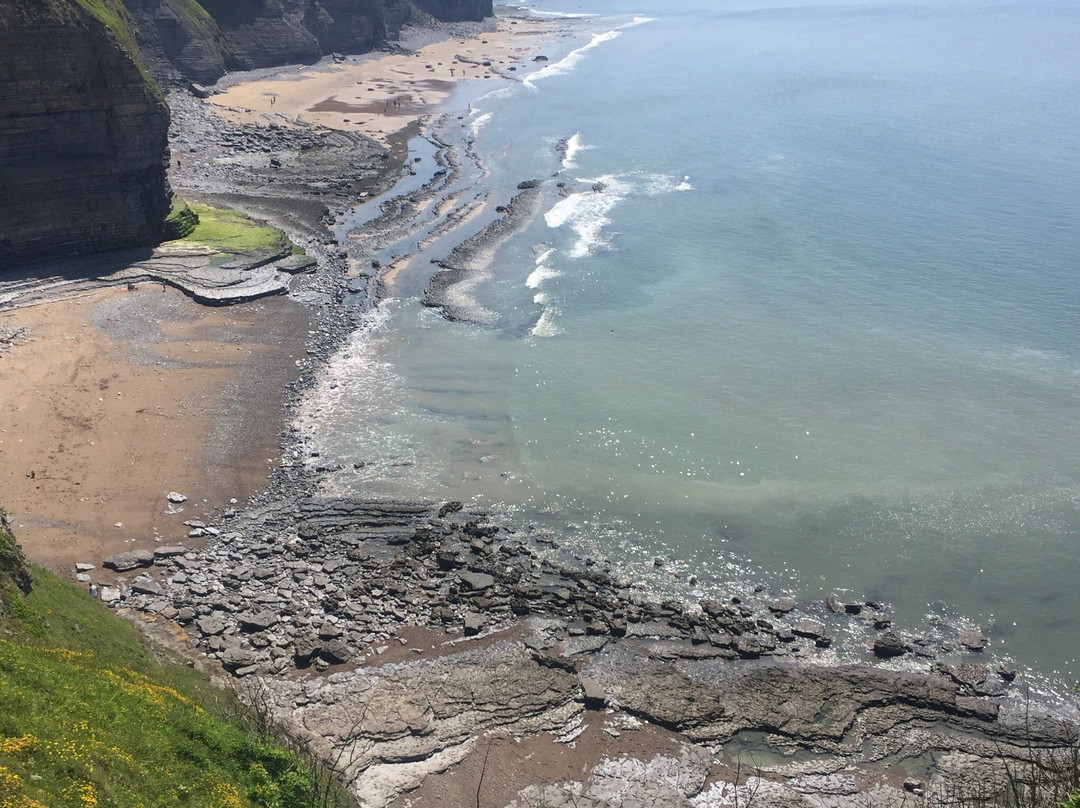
[819, 327]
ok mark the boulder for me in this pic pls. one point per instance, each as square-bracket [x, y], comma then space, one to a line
[594, 694]
[144, 585]
[477, 581]
[889, 644]
[211, 625]
[335, 652]
[110, 594]
[235, 657]
[257, 621]
[809, 628]
[474, 623]
[973, 639]
[131, 560]
[782, 605]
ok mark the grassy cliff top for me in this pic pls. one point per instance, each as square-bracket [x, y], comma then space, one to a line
[90, 719]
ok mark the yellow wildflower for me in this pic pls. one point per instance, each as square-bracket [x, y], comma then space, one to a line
[224, 795]
[87, 796]
[13, 746]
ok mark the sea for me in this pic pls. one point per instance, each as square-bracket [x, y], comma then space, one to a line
[800, 305]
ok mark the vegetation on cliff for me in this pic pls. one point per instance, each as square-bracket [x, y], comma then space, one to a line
[89, 717]
[231, 231]
[114, 16]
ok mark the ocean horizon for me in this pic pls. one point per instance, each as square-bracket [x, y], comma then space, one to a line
[798, 306]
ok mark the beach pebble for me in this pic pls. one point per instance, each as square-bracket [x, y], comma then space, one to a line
[176, 498]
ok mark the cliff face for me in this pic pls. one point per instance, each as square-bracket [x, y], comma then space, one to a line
[199, 41]
[14, 573]
[83, 134]
[456, 10]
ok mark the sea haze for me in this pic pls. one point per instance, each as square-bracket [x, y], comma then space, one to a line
[805, 309]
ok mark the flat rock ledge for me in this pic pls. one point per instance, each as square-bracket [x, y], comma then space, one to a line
[203, 273]
[396, 638]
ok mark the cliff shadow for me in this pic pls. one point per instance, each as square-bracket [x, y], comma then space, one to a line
[97, 268]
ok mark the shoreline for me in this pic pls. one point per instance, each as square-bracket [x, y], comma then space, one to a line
[556, 654]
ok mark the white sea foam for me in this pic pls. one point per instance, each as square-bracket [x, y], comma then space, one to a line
[586, 212]
[539, 275]
[543, 255]
[545, 326]
[542, 272]
[478, 123]
[573, 146]
[356, 379]
[564, 15]
[639, 20]
[570, 61]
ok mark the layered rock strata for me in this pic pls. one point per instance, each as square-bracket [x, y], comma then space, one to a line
[199, 41]
[83, 134]
[304, 602]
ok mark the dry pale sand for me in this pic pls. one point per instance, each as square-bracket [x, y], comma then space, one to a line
[117, 398]
[382, 95]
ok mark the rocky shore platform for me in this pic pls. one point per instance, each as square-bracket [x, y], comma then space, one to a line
[400, 640]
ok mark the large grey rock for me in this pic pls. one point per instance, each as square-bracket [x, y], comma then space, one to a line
[144, 585]
[808, 628]
[211, 625]
[335, 652]
[595, 697]
[131, 560]
[973, 639]
[477, 581]
[235, 657]
[258, 621]
[889, 644]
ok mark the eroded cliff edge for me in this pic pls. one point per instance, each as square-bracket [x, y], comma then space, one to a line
[200, 41]
[83, 122]
[83, 132]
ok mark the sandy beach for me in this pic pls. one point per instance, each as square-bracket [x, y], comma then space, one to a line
[380, 95]
[152, 393]
[112, 400]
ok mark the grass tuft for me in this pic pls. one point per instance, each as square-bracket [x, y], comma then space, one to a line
[232, 231]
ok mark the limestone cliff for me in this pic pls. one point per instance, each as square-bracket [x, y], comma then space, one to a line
[83, 132]
[199, 40]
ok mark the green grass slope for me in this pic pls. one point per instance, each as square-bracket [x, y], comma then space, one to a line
[90, 719]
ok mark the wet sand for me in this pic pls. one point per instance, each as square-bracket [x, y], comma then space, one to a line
[380, 95]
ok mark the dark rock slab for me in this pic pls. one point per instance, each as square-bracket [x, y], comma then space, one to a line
[131, 560]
